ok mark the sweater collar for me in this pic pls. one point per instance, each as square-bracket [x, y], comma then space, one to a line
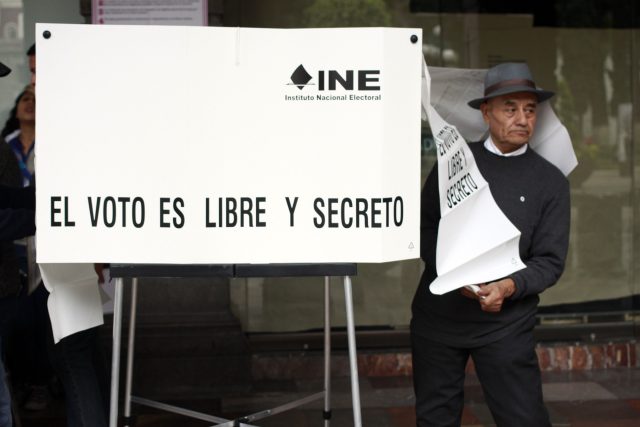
[491, 147]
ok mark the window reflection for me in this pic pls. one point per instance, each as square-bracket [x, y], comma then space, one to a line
[585, 51]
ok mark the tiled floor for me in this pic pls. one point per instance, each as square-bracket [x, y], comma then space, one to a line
[602, 398]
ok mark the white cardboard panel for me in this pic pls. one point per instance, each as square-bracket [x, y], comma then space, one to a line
[194, 113]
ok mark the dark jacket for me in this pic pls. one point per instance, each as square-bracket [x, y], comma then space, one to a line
[17, 212]
[9, 267]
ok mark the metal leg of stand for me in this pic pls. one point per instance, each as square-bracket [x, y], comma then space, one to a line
[130, 348]
[115, 356]
[327, 353]
[353, 360]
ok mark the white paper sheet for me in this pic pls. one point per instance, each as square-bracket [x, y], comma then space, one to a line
[74, 298]
[107, 291]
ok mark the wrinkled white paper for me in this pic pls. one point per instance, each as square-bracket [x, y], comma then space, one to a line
[74, 301]
[107, 291]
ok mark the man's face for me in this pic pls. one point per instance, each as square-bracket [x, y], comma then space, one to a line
[32, 68]
[511, 119]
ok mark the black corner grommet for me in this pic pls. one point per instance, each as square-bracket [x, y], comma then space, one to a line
[413, 38]
[46, 34]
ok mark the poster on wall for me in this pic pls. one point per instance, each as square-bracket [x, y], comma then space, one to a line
[227, 145]
[150, 12]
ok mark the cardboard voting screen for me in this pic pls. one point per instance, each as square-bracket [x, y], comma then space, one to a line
[227, 145]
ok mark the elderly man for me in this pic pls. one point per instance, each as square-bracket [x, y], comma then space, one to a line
[495, 325]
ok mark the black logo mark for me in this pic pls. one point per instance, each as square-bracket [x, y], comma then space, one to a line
[300, 77]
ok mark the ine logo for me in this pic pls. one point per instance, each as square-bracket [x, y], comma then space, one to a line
[330, 79]
[300, 77]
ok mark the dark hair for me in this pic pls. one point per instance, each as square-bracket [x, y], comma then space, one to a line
[12, 122]
[32, 50]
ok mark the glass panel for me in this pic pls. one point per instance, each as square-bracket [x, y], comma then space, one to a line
[13, 54]
[590, 61]
[594, 102]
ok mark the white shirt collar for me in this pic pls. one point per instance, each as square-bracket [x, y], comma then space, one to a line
[489, 145]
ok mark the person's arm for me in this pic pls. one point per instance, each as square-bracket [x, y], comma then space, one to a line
[549, 246]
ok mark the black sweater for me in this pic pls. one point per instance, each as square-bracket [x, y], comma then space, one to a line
[534, 195]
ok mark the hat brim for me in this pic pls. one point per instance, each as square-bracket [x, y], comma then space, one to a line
[4, 70]
[542, 95]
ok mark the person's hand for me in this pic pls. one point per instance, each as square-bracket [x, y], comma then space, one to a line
[468, 292]
[492, 295]
[99, 268]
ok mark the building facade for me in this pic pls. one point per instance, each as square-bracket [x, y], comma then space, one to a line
[587, 51]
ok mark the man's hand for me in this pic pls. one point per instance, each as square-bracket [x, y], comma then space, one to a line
[470, 291]
[492, 295]
[99, 268]
[495, 293]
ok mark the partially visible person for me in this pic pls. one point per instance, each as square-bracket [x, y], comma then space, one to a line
[10, 283]
[19, 133]
[79, 360]
[27, 352]
[9, 276]
[17, 219]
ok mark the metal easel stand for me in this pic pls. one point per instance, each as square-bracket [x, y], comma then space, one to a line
[245, 420]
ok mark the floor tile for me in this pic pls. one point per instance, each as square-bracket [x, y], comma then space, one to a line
[402, 416]
[391, 382]
[576, 391]
[603, 411]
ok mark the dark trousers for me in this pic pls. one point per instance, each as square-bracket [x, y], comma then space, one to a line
[508, 372]
[80, 364]
[27, 341]
[7, 309]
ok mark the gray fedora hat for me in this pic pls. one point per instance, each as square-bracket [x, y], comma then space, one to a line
[510, 77]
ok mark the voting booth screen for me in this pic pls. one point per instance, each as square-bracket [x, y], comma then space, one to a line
[227, 145]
